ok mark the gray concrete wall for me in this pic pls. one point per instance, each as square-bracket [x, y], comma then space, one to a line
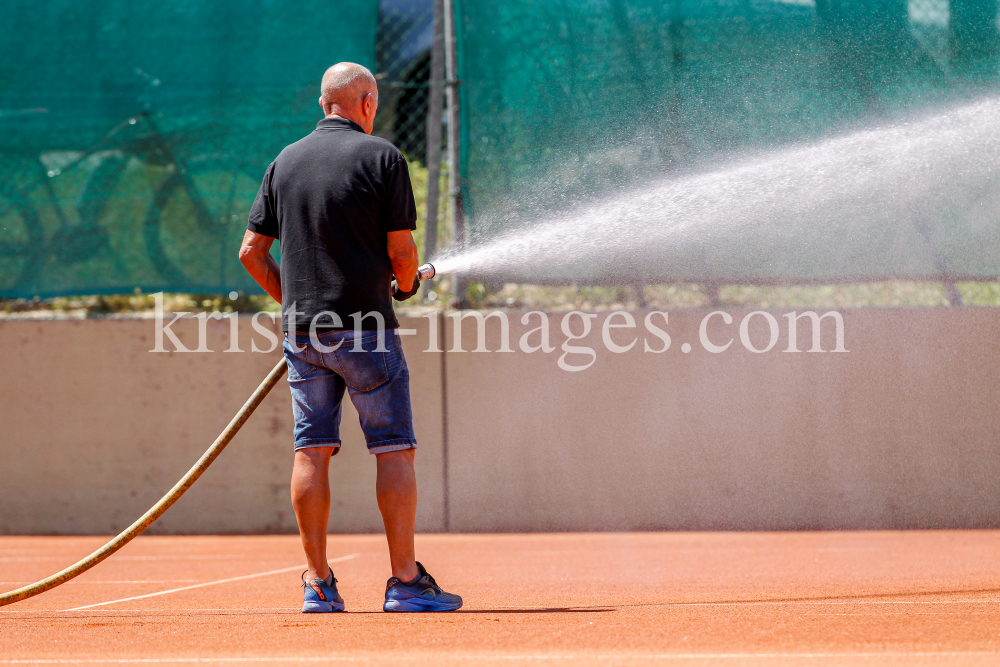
[95, 429]
[898, 432]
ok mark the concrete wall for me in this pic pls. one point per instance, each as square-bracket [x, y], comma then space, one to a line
[95, 429]
[900, 431]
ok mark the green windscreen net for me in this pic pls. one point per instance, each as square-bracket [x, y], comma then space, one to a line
[133, 135]
[569, 102]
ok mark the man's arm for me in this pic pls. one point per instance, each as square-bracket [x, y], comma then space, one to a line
[255, 254]
[403, 255]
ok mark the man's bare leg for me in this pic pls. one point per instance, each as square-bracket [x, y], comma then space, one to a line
[311, 501]
[396, 489]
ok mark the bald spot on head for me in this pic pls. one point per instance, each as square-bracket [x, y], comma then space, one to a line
[346, 84]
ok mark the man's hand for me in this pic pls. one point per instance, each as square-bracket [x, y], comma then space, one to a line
[403, 255]
[400, 295]
[255, 254]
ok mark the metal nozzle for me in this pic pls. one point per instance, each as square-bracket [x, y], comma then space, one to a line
[426, 271]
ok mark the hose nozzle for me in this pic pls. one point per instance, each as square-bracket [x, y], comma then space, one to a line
[423, 273]
[426, 271]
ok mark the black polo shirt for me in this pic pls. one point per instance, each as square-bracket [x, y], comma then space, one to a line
[330, 198]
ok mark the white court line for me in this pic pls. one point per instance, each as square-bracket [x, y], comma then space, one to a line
[40, 559]
[123, 581]
[207, 583]
[913, 613]
[610, 606]
[791, 603]
[248, 610]
[527, 656]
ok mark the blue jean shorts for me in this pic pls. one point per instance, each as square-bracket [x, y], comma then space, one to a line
[371, 367]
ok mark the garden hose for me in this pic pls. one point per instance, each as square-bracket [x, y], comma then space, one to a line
[163, 505]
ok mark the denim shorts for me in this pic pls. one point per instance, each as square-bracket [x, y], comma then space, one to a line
[378, 382]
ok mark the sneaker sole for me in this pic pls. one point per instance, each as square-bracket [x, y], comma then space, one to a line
[321, 607]
[417, 605]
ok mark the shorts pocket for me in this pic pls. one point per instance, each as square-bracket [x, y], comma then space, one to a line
[364, 369]
[299, 367]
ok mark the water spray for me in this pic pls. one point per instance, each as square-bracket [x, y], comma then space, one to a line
[154, 513]
[914, 198]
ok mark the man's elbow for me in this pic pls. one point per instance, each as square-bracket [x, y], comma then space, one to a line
[247, 256]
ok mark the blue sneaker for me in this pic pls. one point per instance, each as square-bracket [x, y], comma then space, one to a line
[320, 596]
[421, 594]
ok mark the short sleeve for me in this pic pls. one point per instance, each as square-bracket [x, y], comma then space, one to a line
[400, 210]
[263, 219]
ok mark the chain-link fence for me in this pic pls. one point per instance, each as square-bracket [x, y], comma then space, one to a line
[403, 61]
[403, 69]
[144, 176]
[133, 135]
[121, 188]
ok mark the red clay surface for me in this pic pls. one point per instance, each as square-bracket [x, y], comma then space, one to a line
[871, 598]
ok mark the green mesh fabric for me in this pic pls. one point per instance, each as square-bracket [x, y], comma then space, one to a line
[567, 100]
[133, 135]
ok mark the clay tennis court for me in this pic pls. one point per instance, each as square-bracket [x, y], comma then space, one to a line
[832, 598]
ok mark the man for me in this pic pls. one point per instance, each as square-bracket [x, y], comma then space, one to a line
[341, 204]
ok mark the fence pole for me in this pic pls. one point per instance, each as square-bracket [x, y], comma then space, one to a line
[454, 145]
[435, 111]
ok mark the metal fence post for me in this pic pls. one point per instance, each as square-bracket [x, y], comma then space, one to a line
[435, 110]
[454, 145]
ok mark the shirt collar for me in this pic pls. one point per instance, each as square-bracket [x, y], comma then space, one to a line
[338, 124]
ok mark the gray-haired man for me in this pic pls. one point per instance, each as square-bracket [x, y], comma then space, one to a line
[341, 204]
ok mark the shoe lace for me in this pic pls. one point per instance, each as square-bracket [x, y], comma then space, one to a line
[430, 582]
[305, 583]
[425, 580]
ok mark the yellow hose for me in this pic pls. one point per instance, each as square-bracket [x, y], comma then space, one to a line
[163, 505]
